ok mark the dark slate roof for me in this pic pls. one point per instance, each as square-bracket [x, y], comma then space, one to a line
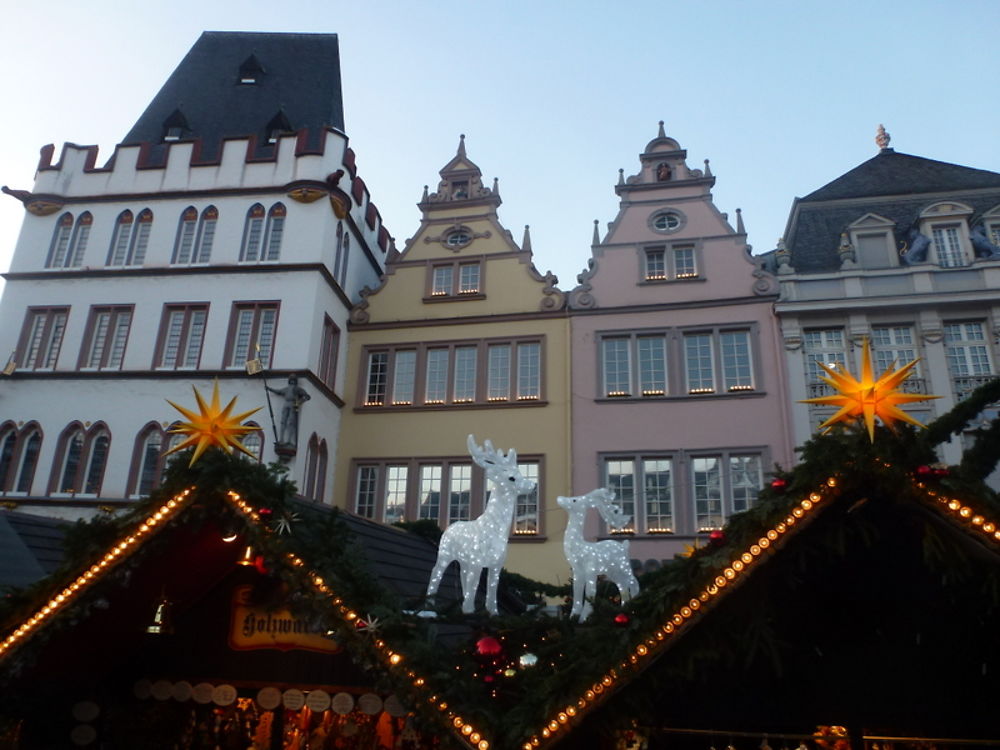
[909, 183]
[300, 78]
[892, 173]
[30, 547]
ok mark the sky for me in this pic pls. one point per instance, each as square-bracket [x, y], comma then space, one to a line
[553, 97]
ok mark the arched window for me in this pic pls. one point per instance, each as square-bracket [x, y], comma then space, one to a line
[184, 243]
[60, 242]
[29, 446]
[140, 239]
[275, 231]
[206, 235]
[254, 441]
[78, 245]
[312, 464]
[81, 459]
[253, 233]
[340, 250]
[121, 238]
[147, 460]
[343, 265]
[320, 473]
[8, 444]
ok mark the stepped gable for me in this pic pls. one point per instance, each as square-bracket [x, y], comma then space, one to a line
[238, 84]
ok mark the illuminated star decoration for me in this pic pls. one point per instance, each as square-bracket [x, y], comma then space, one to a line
[213, 426]
[868, 397]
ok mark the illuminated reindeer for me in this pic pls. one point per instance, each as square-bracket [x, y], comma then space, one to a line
[592, 559]
[482, 543]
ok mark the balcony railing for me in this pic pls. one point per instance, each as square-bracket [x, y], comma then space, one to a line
[963, 385]
[910, 385]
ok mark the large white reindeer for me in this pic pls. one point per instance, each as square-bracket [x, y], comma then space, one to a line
[592, 559]
[482, 543]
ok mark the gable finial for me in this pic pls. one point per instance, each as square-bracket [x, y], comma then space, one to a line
[424, 198]
[461, 145]
[526, 242]
[708, 169]
[621, 176]
[882, 138]
[740, 229]
[662, 133]
[496, 187]
[597, 235]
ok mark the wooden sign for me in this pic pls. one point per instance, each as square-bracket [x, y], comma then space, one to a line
[256, 628]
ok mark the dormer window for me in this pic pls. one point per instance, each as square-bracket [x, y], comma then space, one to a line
[459, 189]
[872, 238]
[666, 222]
[277, 127]
[946, 225]
[250, 71]
[458, 239]
[175, 126]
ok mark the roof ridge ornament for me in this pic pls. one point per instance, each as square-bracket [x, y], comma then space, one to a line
[461, 146]
[882, 138]
[526, 242]
[662, 133]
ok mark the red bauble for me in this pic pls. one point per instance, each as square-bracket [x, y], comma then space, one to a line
[778, 484]
[260, 565]
[263, 511]
[942, 472]
[717, 537]
[489, 678]
[488, 646]
[924, 471]
[622, 619]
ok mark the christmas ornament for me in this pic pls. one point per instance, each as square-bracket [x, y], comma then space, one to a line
[212, 426]
[717, 537]
[868, 397]
[482, 543]
[621, 619]
[528, 660]
[778, 484]
[488, 646]
[590, 560]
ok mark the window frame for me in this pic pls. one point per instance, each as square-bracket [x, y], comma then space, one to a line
[69, 241]
[184, 335]
[259, 309]
[262, 225]
[115, 313]
[16, 481]
[519, 390]
[329, 353]
[195, 236]
[963, 383]
[667, 254]
[454, 292]
[478, 489]
[50, 338]
[82, 481]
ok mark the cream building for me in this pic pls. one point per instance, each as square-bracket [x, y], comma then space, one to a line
[463, 336]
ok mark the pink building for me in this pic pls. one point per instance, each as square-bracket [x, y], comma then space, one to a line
[679, 401]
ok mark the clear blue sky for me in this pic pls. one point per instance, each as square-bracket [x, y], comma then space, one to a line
[553, 96]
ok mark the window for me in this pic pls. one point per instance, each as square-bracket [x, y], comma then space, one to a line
[195, 236]
[19, 451]
[130, 239]
[315, 476]
[674, 262]
[723, 485]
[718, 357]
[254, 441]
[105, 337]
[948, 246]
[69, 241]
[329, 348]
[41, 337]
[894, 346]
[968, 355]
[648, 378]
[666, 221]
[455, 279]
[262, 234]
[147, 460]
[251, 333]
[448, 374]
[441, 489]
[458, 239]
[643, 489]
[343, 256]
[81, 457]
[822, 345]
[182, 331]
[993, 231]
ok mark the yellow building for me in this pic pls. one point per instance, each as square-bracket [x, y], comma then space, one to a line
[463, 336]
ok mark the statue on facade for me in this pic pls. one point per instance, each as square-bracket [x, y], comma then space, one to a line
[981, 244]
[482, 543]
[915, 248]
[590, 560]
[293, 396]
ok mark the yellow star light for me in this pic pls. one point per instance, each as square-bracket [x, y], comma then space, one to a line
[868, 397]
[213, 426]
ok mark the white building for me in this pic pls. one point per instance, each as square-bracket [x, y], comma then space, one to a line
[231, 217]
[902, 250]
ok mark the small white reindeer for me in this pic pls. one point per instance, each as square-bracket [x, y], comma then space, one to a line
[592, 559]
[482, 543]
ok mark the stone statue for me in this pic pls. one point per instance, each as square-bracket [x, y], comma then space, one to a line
[294, 397]
[590, 560]
[482, 543]
[915, 248]
[981, 243]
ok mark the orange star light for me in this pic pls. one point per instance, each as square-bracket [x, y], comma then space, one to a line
[213, 426]
[868, 397]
